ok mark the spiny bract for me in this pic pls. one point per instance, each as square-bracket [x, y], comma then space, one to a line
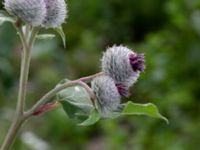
[119, 64]
[108, 98]
[56, 13]
[30, 11]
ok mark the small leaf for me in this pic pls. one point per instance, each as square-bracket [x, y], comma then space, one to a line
[76, 114]
[45, 36]
[75, 101]
[5, 17]
[92, 119]
[60, 31]
[75, 95]
[148, 109]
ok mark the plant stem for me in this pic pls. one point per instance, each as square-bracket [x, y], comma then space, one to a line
[89, 78]
[19, 117]
[25, 69]
[12, 132]
[45, 107]
[23, 82]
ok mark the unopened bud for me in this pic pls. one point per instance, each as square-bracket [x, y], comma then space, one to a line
[56, 13]
[30, 11]
[123, 65]
[107, 95]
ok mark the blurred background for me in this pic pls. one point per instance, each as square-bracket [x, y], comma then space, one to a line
[167, 31]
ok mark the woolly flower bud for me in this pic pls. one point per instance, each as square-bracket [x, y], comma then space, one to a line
[30, 11]
[108, 98]
[56, 13]
[123, 65]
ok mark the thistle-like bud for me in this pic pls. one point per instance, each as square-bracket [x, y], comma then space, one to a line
[123, 65]
[108, 98]
[56, 13]
[30, 11]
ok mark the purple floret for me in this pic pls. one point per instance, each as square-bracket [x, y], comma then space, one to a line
[123, 90]
[137, 62]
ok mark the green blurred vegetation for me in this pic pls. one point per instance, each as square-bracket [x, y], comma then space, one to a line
[168, 32]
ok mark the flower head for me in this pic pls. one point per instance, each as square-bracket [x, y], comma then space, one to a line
[30, 11]
[56, 13]
[107, 95]
[122, 64]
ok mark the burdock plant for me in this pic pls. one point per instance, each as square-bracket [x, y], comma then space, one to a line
[85, 105]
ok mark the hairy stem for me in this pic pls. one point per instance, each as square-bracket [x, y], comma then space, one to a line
[12, 132]
[19, 117]
[45, 107]
[26, 58]
[23, 82]
[89, 78]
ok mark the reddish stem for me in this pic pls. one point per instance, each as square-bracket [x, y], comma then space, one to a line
[18, 23]
[45, 107]
[89, 78]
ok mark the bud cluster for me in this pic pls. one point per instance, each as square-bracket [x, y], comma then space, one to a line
[122, 68]
[44, 13]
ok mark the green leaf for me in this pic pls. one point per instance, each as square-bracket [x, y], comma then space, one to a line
[45, 36]
[92, 119]
[76, 102]
[148, 109]
[60, 31]
[5, 17]
[74, 113]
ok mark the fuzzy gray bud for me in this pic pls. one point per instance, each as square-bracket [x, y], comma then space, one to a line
[30, 11]
[107, 95]
[56, 13]
[122, 64]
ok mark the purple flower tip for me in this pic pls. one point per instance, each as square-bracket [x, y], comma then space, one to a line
[137, 61]
[123, 90]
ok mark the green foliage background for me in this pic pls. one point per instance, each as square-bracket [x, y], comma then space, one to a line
[168, 32]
